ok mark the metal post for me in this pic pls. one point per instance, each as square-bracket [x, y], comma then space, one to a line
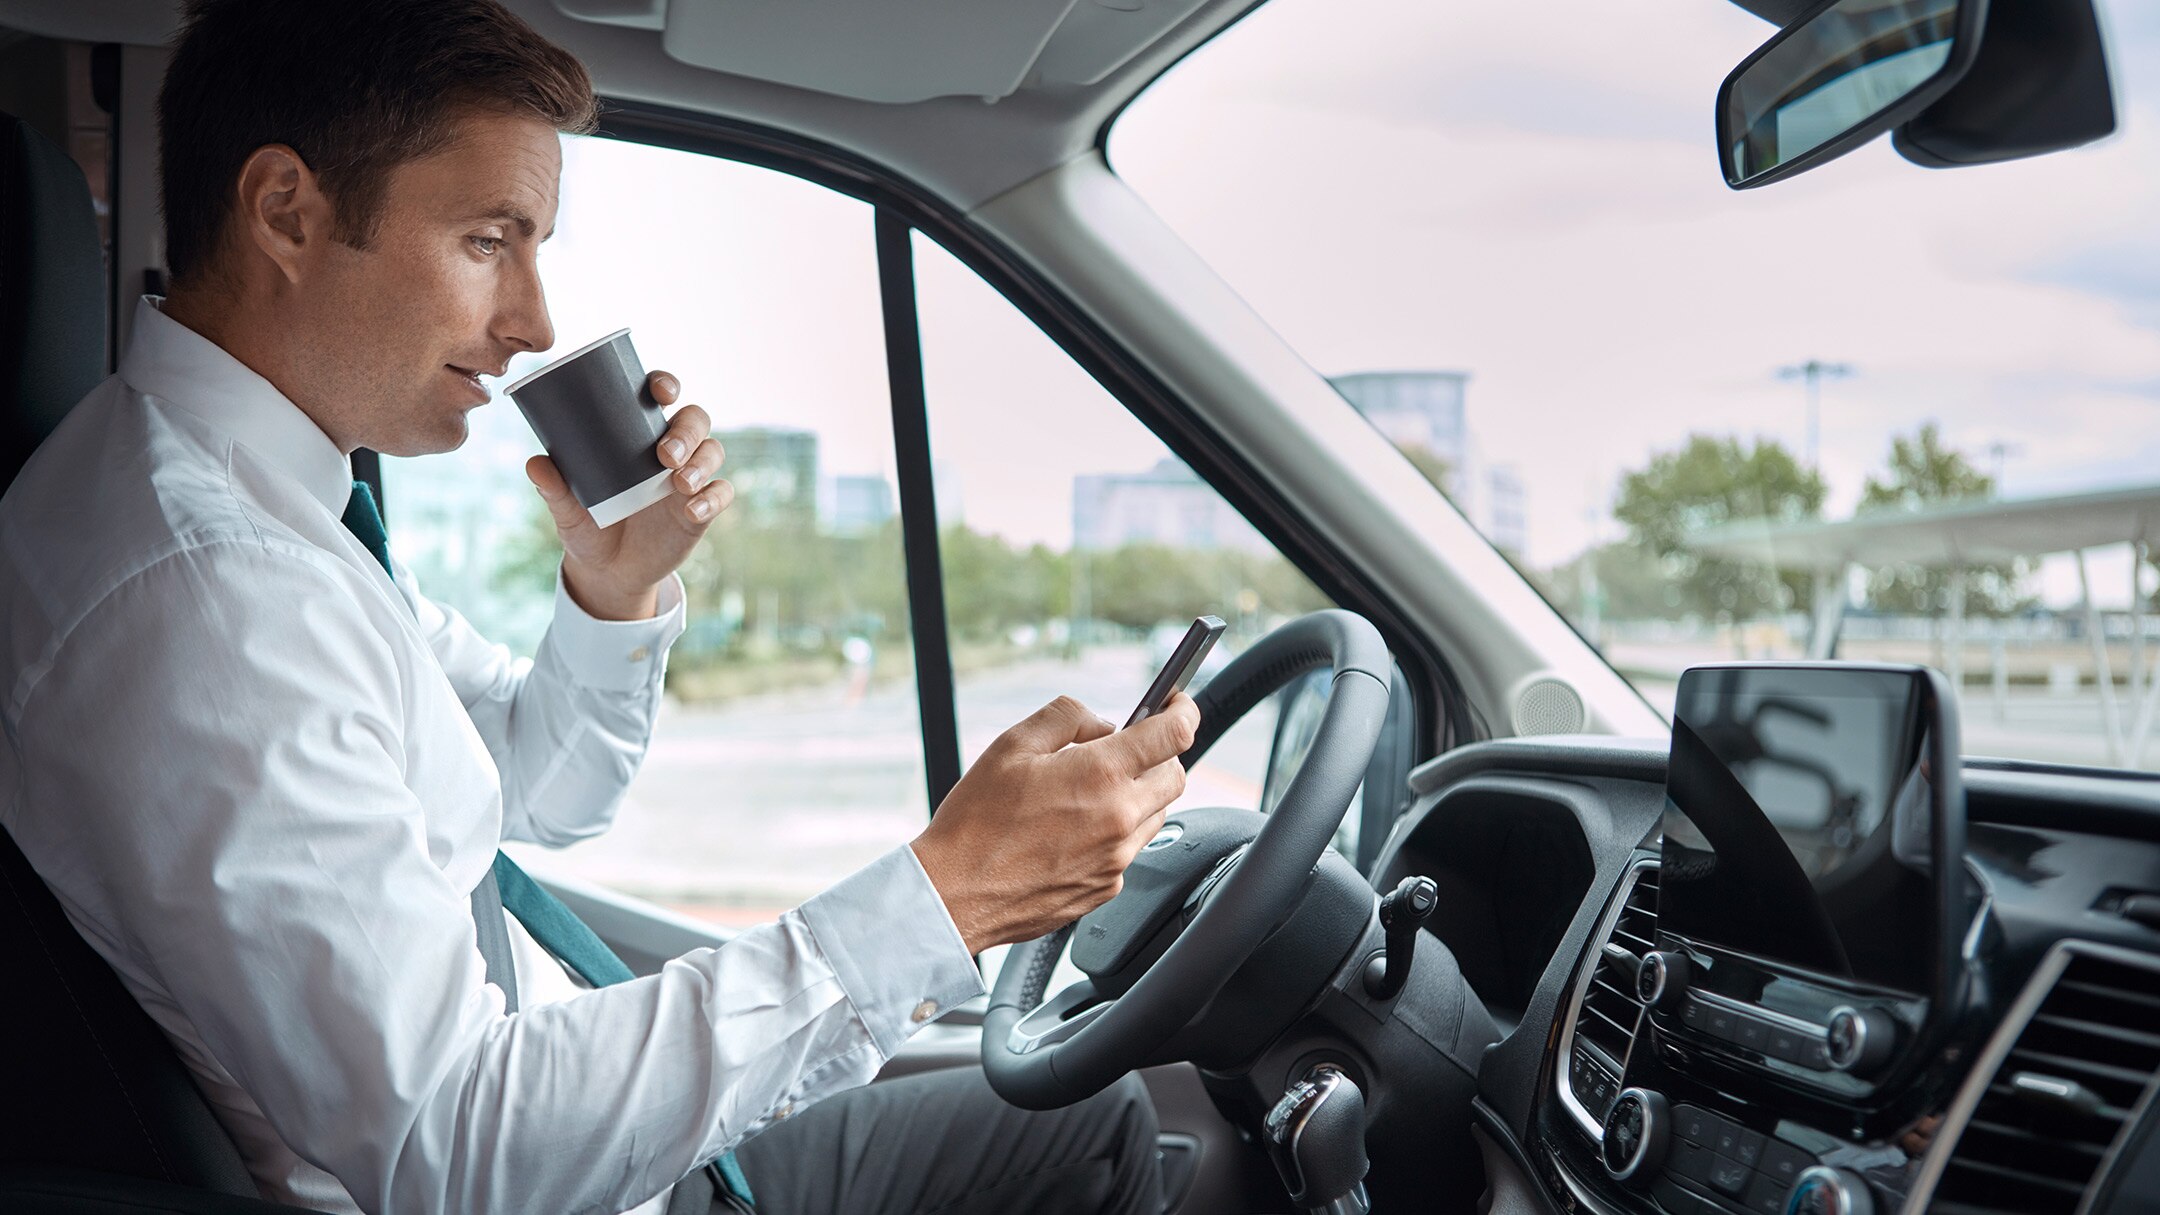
[1999, 658]
[1954, 644]
[2137, 619]
[2109, 715]
[1829, 614]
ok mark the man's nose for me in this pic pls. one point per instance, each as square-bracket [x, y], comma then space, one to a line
[522, 313]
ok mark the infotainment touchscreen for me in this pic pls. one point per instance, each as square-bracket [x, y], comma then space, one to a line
[1797, 824]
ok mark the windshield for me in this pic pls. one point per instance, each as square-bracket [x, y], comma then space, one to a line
[1913, 413]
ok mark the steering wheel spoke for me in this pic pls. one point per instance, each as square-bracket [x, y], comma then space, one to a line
[1057, 1018]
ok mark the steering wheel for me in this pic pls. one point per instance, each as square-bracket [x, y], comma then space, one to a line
[1042, 1055]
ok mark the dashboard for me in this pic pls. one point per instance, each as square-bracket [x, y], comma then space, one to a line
[1935, 987]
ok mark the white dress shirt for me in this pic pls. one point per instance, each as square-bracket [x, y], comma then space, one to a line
[263, 778]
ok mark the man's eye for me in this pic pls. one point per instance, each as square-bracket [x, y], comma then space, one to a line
[486, 244]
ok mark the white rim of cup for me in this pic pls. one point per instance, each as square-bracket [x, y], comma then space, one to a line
[530, 376]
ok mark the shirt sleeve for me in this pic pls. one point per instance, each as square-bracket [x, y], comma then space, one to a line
[214, 780]
[568, 728]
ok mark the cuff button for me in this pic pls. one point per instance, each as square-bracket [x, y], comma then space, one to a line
[640, 654]
[924, 1011]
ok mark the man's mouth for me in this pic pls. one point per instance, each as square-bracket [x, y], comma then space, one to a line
[469, 376]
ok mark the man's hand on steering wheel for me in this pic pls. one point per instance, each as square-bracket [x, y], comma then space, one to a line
[1040, 830]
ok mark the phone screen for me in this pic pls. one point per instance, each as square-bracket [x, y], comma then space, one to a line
[1176, 673]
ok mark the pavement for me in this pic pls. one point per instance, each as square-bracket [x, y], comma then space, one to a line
[744, 810]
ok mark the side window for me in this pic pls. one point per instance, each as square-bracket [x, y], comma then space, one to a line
[1076, 548]
[788, 751]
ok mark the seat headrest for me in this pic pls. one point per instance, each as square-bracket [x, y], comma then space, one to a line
[53, 327]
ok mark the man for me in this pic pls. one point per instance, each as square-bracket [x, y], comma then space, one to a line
[267, 778]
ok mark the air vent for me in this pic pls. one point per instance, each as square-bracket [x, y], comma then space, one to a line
[2065, 1077]
[1604, 1016]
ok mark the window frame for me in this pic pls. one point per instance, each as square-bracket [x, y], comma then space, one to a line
[1443, 716]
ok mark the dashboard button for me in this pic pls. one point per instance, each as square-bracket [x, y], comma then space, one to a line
[1730, 1176]
[1751, 1033]
[1692, 1162]
[1676, 1200]
[1765, 1195]
[1695, 1124]
[1783, 1163]
[1719, 1024]
[1696, 1015]
[1727, 1143]
[1785, 1044]
[1748, 1150]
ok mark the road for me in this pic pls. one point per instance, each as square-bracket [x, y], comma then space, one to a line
[743, 810]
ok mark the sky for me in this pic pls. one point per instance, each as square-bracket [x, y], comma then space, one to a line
[1495, 189]
[1491, 188]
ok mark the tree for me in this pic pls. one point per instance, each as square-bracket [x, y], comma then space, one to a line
[1708, 482]
[1924, 473]
[1629, 585]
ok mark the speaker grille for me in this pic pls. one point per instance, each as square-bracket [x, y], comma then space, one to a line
[1547, 705]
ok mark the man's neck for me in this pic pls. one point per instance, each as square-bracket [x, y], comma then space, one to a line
[227, 322]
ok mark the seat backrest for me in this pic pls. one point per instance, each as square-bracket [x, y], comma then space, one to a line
[52, 291]
[87, 1079]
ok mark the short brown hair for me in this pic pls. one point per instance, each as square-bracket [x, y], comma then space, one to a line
[356, 87]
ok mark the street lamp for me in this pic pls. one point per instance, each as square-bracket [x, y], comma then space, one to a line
[1813, 372]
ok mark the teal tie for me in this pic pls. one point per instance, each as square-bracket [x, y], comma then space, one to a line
[554, 926]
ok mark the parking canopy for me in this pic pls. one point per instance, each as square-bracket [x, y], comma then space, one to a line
[1943, 537]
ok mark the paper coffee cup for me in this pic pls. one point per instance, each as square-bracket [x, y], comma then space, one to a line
[599, 426]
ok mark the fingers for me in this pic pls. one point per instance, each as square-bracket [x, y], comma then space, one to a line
[1166, 735]
[705, 506]
[664, 387]
[1056, 724]
[700, 467]
[562, 505]
[1144, 832]
[1159, 786]
[686, 432]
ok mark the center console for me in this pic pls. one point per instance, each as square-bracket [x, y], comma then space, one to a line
[1763, 1027]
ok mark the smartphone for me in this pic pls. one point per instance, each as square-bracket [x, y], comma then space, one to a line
[1176, 673]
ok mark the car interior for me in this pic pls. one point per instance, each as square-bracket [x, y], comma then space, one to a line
[1786, 949]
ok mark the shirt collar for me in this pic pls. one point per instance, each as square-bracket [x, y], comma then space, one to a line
[167, 360]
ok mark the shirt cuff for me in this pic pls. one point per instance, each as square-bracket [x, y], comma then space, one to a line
[895, 948]
[616, 655]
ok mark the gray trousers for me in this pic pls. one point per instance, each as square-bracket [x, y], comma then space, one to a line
[942, 1143]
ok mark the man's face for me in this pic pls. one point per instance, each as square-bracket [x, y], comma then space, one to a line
[447, 289]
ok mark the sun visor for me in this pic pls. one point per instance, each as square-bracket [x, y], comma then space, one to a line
[873, 50]
[901, 51]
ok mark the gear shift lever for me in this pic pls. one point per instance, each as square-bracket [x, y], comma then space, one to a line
[1316, 1135]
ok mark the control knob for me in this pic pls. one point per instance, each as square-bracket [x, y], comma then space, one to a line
[1860, 1040]
[1662, 980]
[1826, 1191]
[1636, 1132]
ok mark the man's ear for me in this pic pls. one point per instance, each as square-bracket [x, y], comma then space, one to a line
[284, 214]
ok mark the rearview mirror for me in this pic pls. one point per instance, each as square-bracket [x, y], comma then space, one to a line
[1846, 72]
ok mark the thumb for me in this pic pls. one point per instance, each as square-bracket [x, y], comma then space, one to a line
[562, 505]
[1160, 738]
[1056, 724]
